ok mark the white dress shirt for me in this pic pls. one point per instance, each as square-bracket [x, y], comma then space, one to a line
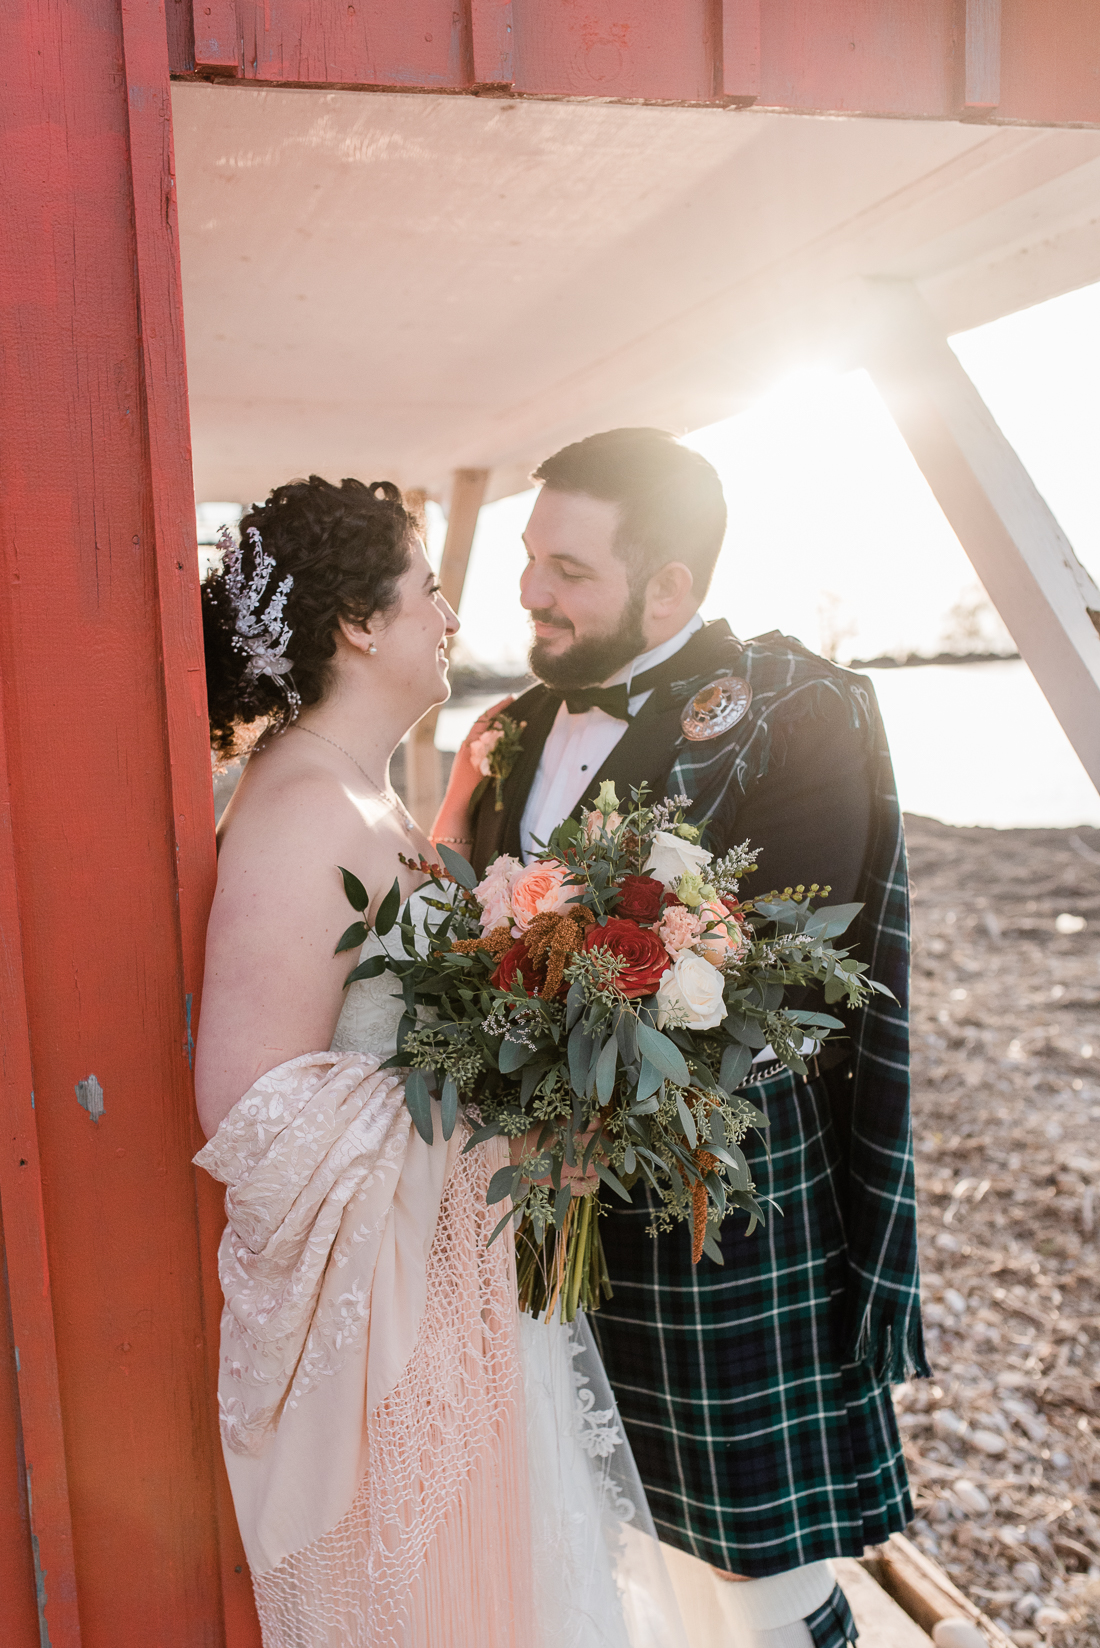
[578, 746]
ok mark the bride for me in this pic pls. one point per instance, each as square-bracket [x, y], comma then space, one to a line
[413, 1464]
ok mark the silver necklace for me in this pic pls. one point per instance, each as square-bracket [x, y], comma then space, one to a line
[392, 801]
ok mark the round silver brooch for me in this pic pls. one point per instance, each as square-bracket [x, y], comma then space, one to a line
[717, 708]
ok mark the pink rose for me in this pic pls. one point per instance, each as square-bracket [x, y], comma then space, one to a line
[595, 824]
[494, 892]
[538, 889]
[679, 929]
[482, 747]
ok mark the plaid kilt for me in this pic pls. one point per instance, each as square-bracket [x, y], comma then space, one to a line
[761, 1443]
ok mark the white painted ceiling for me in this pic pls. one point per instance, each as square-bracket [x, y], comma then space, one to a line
[394, 286]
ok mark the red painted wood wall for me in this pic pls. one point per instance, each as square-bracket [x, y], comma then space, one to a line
[106, 862]
[1003, 60]
[115, 1528]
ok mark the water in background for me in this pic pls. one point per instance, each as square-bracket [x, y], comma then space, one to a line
[972, 744]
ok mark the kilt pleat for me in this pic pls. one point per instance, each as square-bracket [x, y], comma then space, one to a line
[761, 1445]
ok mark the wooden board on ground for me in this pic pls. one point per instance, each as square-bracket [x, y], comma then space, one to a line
[882, 1622]
[925, 1591]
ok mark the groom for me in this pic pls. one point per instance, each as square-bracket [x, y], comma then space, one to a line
[756, 1394]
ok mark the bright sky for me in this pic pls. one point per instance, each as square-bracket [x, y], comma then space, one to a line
[834, 535]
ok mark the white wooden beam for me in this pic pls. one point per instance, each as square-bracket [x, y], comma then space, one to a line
[423, 775]
[1025, 561]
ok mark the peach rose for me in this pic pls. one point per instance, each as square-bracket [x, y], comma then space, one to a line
[725, 940]
[538, 889]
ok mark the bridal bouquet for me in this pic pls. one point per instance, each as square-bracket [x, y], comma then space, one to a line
[600, 1007]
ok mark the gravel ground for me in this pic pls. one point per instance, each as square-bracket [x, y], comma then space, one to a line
[1004, 1441]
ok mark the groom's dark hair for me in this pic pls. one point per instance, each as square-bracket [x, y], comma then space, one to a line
[671, 506]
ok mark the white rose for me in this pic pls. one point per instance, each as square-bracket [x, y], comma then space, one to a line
[690, 994]
[671, 856]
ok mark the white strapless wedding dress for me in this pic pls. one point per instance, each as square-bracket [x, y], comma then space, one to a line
[599, 1578]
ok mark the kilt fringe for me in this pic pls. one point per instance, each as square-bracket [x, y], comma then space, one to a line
[891, 1344]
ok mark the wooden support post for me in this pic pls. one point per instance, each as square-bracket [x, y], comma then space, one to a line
[741, 51]
[1025, 561]
[423, 777]
[107, 871]
[982, 56]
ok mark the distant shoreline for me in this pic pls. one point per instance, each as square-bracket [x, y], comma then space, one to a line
[470, 683]
[913, 659]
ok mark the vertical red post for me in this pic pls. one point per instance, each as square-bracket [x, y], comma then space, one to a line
[111, 861]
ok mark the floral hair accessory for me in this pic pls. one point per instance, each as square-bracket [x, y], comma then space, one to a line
[261, 636]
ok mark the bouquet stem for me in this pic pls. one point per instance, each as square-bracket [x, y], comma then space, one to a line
[567, 1271]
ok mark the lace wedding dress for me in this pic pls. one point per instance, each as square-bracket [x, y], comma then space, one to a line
[413, 1464]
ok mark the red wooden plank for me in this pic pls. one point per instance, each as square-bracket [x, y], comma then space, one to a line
[96, 660]
[1050, 61]
[18, 1610]
[650, 50]
[741, 50]
[216, 36]
[982, 54]
[492, 39]
[32, 1448]
[861, 57]
[419, 43]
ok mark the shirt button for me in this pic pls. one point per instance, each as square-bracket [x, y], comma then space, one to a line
[585, 767]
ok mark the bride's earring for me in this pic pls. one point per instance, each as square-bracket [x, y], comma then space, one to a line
[372, 648]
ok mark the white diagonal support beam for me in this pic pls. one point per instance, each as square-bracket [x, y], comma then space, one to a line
[1025, 561]
[423, 777]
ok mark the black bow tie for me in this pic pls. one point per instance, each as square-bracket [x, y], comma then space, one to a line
[612, 700]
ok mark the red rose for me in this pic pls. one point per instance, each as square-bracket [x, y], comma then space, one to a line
[645, 956]
[640, 897]
[516, 960]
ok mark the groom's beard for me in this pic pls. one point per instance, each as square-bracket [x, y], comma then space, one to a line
[591, 660]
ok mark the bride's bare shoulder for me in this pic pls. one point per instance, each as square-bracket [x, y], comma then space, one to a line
[289, 822]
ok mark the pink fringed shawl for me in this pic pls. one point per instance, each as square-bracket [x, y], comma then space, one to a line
[370, 1389]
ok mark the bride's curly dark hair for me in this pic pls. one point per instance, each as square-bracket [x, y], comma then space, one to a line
[346, 547]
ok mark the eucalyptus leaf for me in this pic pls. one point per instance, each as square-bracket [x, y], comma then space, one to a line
[354, 891]
[502, 1183]
[449, 1106]
[687, 1121]
[574, 1003]
[353, 938]
[831, 922]
[608, 1178]
[736, 1064]
[532, 1075]
[561, 1205]
[648, 1082]
[711, 1248]
[491, 1130]
[457, 866]
[579, 1050]
[626, 1034]
[371, 968]
[512, 1055]
[662, 1052]
[605, 1070]
[418, 1099]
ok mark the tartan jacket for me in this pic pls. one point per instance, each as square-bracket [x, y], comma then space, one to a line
[788, 682]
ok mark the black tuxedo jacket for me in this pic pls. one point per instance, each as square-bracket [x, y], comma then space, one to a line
[809, 812]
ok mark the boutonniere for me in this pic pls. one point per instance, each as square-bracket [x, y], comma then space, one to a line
[494, 752]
